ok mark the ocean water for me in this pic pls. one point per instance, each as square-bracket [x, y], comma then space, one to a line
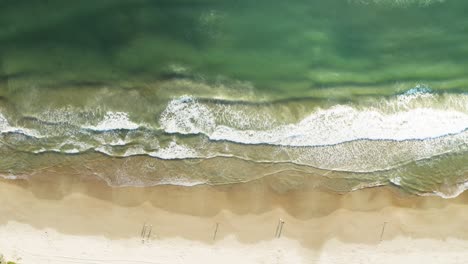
[346, 94]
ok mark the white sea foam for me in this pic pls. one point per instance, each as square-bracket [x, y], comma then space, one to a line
[113, 139]
[334, 125]
[10, 176]
[417, 93]
[181, 182]
[113, 121]
[453, 192]
[67, 151]
[172, 151]
[133, 151]
[105, 150]
[396, 181]
[69, 146]
[72, 151]
[3, 123]
[5, 127]
[72, 145]
[185, 115]
[342, 123]
[118, 142]
[175, 151]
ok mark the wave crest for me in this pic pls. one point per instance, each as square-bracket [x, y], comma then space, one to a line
[338, 124]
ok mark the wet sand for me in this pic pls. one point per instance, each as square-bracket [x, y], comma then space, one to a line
[52, 220]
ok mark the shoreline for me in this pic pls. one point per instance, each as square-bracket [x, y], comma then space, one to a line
[317, 223]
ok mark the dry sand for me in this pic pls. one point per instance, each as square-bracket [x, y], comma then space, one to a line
[81, 221]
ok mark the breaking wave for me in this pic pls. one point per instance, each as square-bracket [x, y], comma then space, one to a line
[372, 142]
[338, 124]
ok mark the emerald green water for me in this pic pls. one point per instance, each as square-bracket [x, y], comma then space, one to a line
[353, 93]
[281, 47]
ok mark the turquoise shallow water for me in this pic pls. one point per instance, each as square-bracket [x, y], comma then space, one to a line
[349, 93]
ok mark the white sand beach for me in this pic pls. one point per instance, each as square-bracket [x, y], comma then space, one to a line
[92, 223]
